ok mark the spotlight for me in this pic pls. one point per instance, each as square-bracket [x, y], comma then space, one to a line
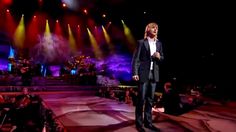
[63, 5]
[85, 11]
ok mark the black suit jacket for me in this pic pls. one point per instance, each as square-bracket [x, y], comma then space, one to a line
[141, 60]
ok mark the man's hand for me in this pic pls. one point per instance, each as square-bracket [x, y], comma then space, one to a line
[157, 55]
[135, 77]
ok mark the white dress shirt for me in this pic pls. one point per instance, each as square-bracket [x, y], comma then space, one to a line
[152, 45]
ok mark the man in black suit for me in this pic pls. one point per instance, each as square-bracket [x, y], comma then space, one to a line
[145, 70]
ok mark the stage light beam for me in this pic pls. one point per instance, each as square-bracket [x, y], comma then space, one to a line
[47, 29]
[19, 35]
[129, 36]
[97, 51]
[10, 23]
[72, 41]
[58, 30]
[108, 40]
[32, 32]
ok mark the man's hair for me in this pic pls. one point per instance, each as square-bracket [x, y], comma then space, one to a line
[150, 25]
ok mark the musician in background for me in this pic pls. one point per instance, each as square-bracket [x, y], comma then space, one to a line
[93, 74]
[171, 100]
[25, 110]
[23, 99]
[26, 73]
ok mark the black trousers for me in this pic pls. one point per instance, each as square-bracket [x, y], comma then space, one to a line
[145, 100]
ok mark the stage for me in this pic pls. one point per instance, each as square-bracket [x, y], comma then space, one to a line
[81, 111]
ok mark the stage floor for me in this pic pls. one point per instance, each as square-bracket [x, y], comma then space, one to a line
[79, 112]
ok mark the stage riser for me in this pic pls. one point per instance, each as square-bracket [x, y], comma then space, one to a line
[49, 88]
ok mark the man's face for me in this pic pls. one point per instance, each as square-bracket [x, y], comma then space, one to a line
[153, 31]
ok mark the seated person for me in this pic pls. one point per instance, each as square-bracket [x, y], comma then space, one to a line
[171, 100]
[26, 110]
[23, 100]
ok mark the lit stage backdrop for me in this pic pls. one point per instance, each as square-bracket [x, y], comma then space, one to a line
[4, 53]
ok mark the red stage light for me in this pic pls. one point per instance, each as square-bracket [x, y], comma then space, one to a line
[85, 11]
[7, 2]
[40, 2]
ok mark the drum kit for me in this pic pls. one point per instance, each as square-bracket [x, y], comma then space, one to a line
[76, 62]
